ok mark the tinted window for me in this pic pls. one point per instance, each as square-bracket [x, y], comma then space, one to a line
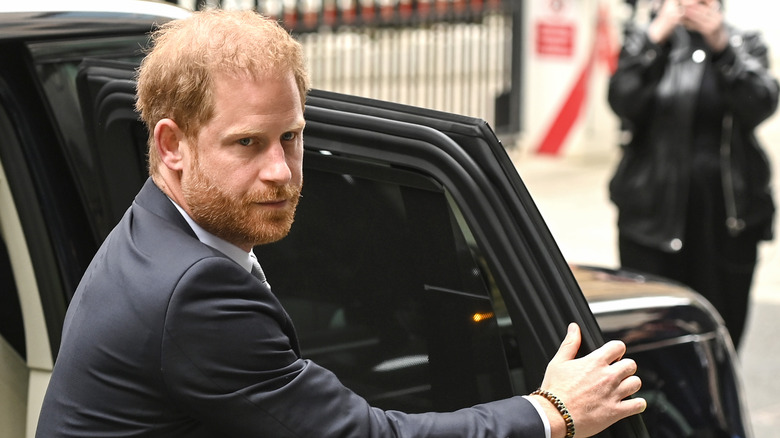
[57, 65]
[385, 289]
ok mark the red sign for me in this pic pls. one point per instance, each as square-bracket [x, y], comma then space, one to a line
[555, 39]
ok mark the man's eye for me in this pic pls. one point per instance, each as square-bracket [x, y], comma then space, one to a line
[288, 136]
[245, 141]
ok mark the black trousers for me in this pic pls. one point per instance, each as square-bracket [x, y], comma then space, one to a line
[712, 262]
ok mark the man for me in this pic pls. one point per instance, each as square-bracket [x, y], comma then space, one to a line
[173, 331]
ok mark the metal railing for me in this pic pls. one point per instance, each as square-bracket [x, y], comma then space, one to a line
[449, 55]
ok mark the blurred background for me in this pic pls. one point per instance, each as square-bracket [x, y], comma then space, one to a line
[536, 71]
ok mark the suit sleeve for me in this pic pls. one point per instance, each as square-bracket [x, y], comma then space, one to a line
[228, 362]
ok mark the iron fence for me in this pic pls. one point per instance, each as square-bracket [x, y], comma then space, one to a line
[458, 56]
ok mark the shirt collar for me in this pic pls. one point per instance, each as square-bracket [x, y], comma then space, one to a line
[235, 253]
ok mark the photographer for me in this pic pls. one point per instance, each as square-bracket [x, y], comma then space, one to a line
[692, 189]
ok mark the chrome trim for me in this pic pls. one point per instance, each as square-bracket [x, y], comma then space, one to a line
[706, 337]
[637, 303]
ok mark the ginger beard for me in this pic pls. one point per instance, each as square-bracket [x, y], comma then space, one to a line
[237, 218]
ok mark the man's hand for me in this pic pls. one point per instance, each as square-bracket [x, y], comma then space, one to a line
[594, 388]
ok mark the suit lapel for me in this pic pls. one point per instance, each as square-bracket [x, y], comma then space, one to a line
[153, 199]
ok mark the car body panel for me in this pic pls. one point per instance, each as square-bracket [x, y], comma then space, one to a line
[658, 319]
[35, 20]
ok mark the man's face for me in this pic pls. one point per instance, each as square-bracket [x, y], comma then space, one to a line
[244, 182]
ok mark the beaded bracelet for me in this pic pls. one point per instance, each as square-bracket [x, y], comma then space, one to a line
[561, 408]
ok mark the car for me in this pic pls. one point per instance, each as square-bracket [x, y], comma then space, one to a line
[419, 269]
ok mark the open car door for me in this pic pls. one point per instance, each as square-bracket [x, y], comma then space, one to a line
[418, 269]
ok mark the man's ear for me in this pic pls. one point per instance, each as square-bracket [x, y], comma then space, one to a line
[169, 140]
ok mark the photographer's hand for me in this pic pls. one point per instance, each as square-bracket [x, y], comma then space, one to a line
[669, 16]
[707, 19]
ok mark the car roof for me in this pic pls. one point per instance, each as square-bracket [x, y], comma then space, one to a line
[45, 18]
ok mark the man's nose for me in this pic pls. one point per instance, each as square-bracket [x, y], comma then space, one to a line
[275, 167]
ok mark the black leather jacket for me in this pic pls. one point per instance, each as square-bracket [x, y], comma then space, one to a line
[654, 93]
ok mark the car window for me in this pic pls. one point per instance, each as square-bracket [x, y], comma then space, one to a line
[386, 290]
[57, 66]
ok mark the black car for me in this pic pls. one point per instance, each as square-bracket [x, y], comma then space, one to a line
[430, 281]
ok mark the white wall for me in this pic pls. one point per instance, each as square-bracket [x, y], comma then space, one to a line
[757, 14]
[548, 82]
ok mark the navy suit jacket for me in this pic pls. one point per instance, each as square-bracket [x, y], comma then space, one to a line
[168, 337]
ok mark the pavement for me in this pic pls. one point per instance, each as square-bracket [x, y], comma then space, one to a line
[571, 193]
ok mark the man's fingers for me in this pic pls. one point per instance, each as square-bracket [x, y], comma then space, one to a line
[625, 367]
[570, 345]
[611, 352]
[629, 386]
[633, 406]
